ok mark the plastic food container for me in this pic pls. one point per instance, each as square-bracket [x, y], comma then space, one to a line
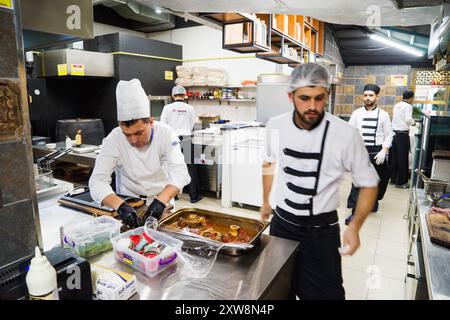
[148, 266]
[92, 237]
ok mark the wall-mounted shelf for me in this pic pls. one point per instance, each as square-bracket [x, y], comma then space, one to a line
[227, 17]
[223, 100]
[289, 39]
[248, 36]
[278, 58]
[213, 86]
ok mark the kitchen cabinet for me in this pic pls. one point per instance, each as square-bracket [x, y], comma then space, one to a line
[280, 38]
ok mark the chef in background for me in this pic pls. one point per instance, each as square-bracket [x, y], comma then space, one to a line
[374, 125]
[313, 150]
[136, 150]
[401, 120]
[181, 116]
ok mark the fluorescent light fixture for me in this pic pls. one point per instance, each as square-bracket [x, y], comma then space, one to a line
[397, 45]
[280, 3]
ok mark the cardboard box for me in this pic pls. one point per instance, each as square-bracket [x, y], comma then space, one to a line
[111, 284]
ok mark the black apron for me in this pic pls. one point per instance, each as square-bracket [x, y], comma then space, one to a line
[399, 160]
[318, 272]
[193, 186]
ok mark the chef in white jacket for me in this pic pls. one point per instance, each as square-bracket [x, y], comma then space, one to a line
[310, 151]
[136, 151]
[374, 125]
[181, 116]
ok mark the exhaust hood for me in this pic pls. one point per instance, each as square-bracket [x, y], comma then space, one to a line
[48, 22]
[71, 62]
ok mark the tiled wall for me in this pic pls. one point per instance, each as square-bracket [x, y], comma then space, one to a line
[331, 50]
[349, 95]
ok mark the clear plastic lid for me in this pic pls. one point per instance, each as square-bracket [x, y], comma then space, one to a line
[197, 254]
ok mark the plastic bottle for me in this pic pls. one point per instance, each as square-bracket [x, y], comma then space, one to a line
[78, 139]
[41, 278]
[68, 142]
[258, 31]
[263, 33]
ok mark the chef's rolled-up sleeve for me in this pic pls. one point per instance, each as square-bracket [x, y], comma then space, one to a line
[271, 143]
[176, 166]
[356, 160]
[105, 164]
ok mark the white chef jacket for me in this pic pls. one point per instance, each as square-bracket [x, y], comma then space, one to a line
[343, 151]
[180, 116]
[139, 172]
[374, 126]
[402, 116]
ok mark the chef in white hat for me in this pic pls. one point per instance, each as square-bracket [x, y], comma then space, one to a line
[136, 151]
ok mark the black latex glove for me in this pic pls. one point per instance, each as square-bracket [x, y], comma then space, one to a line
[155, 209]
[128, 215]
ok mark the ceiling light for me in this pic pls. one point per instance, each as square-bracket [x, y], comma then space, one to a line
[158, 11]
[280, 3]
[397, 45]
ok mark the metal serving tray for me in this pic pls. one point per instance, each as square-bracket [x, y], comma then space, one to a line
[255, 226]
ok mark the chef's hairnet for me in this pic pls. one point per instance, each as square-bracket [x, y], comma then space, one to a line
[309, 75]
[132, 102]
[178, 90]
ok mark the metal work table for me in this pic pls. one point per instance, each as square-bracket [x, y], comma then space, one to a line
[87, 159]
[436, 257]
[263, 273]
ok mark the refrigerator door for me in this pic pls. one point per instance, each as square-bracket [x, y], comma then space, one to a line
[272, 97]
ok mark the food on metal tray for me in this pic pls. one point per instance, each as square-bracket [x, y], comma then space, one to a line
[211, 234]
[193, 221]
[234, 229]
[202, 226]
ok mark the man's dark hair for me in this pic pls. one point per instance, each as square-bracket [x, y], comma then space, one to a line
[129, 123]
[179, 96]
[372, 87]
[408, 94]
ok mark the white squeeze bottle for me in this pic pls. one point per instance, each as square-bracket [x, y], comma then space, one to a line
[68, 142]
[41, 278]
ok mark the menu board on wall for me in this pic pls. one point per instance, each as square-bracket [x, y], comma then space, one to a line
[400, 80]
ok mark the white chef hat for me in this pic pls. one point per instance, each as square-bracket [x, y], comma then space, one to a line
[132, 102]
[178, 90]
[309, 74]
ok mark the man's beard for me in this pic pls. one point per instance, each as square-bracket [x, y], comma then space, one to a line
[369, 103]
[312, 123]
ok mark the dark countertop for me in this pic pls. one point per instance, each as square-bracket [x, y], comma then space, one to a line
[436, 257]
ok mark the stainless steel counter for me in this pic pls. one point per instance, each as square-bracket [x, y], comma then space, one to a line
[263, 273]
[436, 257]
[87, 159]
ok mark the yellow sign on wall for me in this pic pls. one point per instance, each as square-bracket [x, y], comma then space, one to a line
[168, 75]
[399, 80]
[62, 69]
[77, 69]
[6, 3]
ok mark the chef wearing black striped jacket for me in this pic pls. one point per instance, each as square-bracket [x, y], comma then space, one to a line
[375, 127]
[311, 150]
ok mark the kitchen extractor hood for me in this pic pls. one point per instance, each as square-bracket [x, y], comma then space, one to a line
[142, 18]
[48, 23]
[71, 62]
